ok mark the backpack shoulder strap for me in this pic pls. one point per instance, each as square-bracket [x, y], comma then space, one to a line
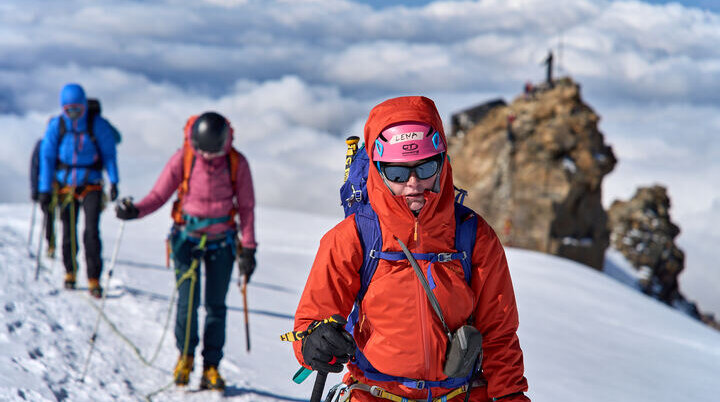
[62, 130]
[233, 158]
[91, 115]
[466, 221]
[188, 161]
[368, 227]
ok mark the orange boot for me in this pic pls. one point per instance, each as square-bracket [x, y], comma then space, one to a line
[182, 370]
[69, 280]
[94, 287]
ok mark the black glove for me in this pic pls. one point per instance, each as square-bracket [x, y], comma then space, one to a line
[113, 192]
[329, 342]
[126, 210]
[246, 262]
[44, 200]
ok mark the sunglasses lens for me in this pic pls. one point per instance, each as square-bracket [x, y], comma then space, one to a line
[426, 170]
[398, 174]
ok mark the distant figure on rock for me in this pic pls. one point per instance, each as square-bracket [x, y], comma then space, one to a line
[549, 63]
[528, 91]
[510, 133]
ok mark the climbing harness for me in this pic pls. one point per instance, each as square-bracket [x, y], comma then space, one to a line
[341, 393]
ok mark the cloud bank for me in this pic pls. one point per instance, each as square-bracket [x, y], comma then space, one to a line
[296, 77]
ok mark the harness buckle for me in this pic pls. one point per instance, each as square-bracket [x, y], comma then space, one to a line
[357, 194]
[444, 257]
[376, 391]
[420, 384]
[464, 257]
[197, 252]
[373, 254]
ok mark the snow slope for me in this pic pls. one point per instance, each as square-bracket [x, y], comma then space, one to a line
[586, 336]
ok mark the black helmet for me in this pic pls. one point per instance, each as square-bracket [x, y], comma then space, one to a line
[210, 132]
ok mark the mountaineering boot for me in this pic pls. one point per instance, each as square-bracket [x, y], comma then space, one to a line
[182, 370]
[69, 281]
[211, 379]
[94, 288]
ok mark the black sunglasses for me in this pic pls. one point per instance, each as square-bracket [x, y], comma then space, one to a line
[401, 174]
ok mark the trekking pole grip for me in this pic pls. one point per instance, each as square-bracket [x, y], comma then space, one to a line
[319, 386]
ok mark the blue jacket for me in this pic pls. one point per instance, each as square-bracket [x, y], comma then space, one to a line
[76, 150]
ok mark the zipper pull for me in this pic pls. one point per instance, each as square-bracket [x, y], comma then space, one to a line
[415, 237]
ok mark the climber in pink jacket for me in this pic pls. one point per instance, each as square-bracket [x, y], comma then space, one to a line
[215, 191]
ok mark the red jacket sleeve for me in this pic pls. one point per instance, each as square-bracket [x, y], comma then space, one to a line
[496, 317]
[165, 186]
[245, 196]
[334, 279]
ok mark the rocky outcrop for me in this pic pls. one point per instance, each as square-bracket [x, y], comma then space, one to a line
[642, 231]
[534, 168]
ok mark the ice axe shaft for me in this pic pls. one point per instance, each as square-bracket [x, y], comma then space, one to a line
[243, 290]
[319, 387]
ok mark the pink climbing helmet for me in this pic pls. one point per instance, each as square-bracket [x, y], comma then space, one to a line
[406, 142]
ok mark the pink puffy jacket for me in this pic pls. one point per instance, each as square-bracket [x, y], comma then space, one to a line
[210, 193]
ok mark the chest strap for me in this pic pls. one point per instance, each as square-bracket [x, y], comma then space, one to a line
[432, 257]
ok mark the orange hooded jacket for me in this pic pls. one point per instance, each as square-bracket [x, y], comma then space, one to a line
[397, 329]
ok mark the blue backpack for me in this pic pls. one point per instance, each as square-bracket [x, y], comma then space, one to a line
[353, 195]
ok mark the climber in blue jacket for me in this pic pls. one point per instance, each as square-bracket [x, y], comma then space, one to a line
[76, 148]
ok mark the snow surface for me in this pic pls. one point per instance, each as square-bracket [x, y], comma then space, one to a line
[586, 336]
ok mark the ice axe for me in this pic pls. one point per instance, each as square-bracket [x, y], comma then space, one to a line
[319, 387]
[243, 290]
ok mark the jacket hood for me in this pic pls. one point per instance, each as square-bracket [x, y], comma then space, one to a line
[72, 94]
[437, 215]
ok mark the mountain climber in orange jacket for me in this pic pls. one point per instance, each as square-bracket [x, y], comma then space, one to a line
[398, 336]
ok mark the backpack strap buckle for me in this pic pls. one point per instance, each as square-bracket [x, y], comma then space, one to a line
[357, 194]
[373, 254]
[444, 257]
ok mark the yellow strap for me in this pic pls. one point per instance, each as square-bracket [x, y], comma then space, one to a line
[192, 274]
[293, 336]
